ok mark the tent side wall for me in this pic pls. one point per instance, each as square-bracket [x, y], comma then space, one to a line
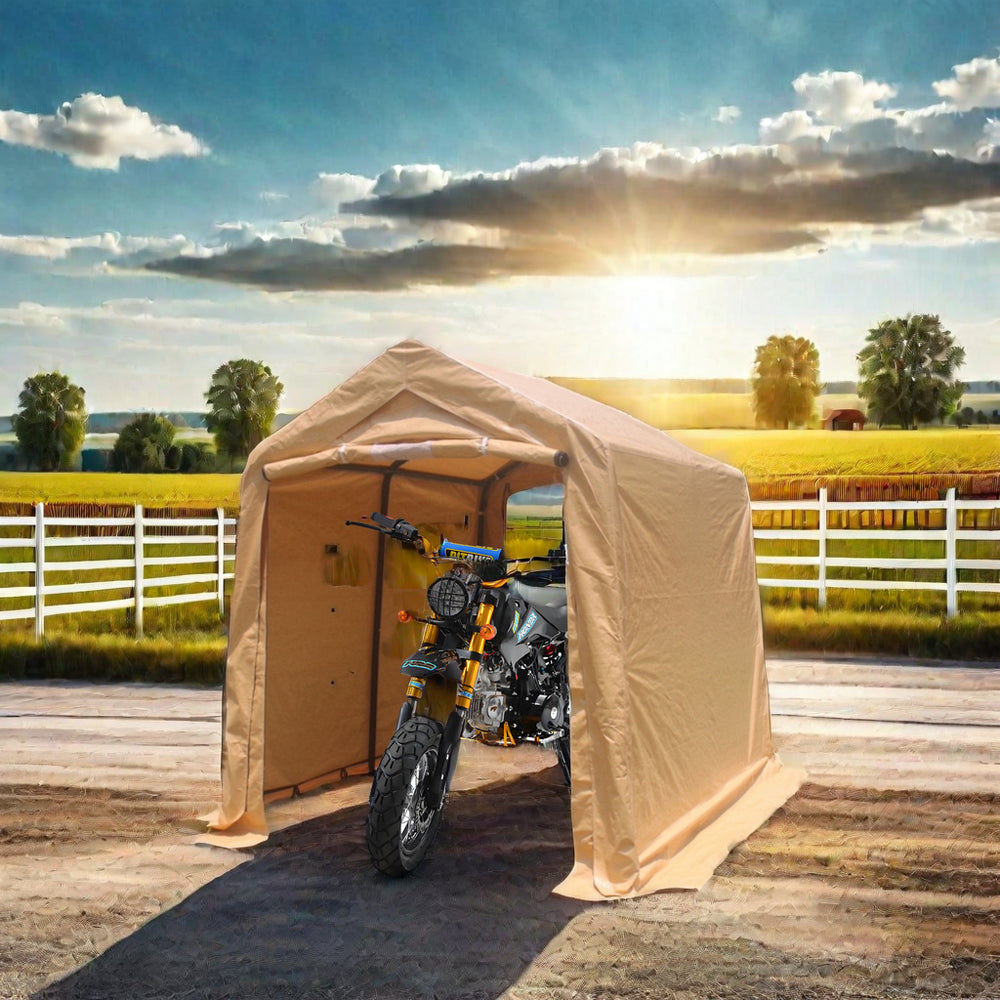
[675, 723]
[321, 599]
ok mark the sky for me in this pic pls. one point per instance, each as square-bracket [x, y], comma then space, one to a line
[621, 189]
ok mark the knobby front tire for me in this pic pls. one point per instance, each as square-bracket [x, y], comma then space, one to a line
[400, 824]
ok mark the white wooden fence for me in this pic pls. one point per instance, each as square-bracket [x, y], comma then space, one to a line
[948, 566]
[207, 543]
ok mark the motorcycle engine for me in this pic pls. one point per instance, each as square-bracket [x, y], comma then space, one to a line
[489, 697]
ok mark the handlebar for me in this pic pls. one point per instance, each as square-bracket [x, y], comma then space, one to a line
[401, 529]
[398, 528]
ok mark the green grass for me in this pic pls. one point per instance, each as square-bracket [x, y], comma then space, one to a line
[180, 658]
[969, 636]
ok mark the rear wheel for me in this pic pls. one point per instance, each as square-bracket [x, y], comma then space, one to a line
[401, 822]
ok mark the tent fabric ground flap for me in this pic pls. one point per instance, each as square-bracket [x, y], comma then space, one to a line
[671, 742]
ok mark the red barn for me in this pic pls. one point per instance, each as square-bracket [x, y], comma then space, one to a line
[844, 420]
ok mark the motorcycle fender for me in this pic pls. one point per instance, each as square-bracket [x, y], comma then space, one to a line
[430, 662]
[438, 698]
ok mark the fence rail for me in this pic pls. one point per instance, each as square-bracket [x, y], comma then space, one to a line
[948, 565]
[203, 550]
[208, 542]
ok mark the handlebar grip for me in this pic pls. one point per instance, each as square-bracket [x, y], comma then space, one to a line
[382, 521]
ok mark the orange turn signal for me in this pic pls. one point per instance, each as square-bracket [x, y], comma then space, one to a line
[404, 616]
[488, 631]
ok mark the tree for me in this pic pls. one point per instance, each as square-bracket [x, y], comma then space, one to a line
[907, 371]
[191, 456]
[52, 421]
[143, 444]
[243, 400]
[785, 380]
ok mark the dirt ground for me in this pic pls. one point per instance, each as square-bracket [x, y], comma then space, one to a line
[880, 878]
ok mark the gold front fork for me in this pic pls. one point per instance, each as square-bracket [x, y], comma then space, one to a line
[416, 686]
[476, 646]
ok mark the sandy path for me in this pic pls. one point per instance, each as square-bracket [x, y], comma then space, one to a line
[879, 879]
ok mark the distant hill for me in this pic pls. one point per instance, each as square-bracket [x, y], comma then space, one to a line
[684, 386]
[113, 422]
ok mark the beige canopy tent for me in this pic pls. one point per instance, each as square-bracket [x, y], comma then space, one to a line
[671, 741]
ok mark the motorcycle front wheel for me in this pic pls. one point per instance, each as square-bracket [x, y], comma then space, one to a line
[401, 823]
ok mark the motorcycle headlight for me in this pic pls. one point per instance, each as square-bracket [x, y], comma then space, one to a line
[448, 597]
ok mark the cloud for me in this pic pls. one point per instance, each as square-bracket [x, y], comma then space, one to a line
[281, 265]
[410, 181]
[791, 126]
[727, 114]
[333, 189]
[619, 211]
[845, 168]
[842, 98]
[963, 133]
[96, 132]
[103, 246]
[976, 84]
[32, 316]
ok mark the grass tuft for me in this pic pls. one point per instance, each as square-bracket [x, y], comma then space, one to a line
[969, 636]
[181, 658]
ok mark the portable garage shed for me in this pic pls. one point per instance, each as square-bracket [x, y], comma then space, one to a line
[671, 740]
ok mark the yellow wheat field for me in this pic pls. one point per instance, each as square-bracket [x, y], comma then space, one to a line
[166, 490]
[765, 454]
[760, 455]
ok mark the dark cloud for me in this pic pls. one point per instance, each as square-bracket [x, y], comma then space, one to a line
[611, 214]
[288, 264]
[281, 265]
[618, 210]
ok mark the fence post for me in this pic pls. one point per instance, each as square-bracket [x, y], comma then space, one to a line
[220, 555]
[39, 571]
[139, 569]
[822, 548]
[951, 538]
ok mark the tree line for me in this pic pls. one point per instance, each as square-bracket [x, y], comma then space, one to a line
[242, 399]
[907, 371]
[907, 376]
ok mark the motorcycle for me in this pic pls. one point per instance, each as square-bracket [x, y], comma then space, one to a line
[491, 666]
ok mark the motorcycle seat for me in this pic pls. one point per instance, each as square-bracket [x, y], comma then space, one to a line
[549, 602]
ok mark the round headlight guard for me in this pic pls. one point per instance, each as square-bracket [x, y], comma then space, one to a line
[448, 597]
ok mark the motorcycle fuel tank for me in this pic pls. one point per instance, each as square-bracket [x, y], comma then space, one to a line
[525, 624]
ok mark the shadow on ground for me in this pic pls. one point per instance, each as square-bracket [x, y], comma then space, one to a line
[309, 918]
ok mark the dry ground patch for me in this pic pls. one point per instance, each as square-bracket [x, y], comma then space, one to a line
[879, 879]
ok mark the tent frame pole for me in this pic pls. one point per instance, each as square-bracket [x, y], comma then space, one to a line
[377, 620]
[487, 488]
